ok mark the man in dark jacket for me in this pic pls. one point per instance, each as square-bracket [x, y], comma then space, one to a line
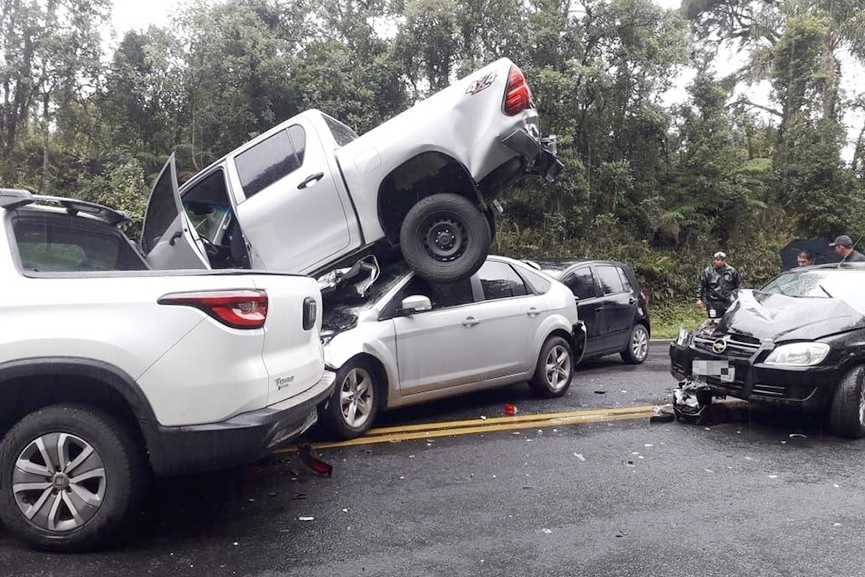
[843, 246]
[718, 286]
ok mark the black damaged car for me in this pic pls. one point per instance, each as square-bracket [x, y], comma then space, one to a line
[797, 342]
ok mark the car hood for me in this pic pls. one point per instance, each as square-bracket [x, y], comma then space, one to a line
[780, 317]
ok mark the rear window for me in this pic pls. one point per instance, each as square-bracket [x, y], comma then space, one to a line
[342, 134]
[50, 242]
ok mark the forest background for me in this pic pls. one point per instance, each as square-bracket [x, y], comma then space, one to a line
[658, 186]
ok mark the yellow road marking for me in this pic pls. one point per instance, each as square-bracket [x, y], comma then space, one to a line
[489, 425]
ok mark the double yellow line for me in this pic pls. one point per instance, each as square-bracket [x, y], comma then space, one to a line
[488, 425]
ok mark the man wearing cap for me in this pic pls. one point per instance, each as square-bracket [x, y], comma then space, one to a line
[718, 286]
[844, 248]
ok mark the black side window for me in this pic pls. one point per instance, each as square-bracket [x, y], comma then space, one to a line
[582, 283]
[271, 159]
[626, 283]
[611, 282]
[500, 281]
[440, 295]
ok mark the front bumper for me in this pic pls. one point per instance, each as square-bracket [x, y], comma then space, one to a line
[804, 388]
[239, 440]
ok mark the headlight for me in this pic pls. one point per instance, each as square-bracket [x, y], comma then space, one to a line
[684, 337]
[798, 354]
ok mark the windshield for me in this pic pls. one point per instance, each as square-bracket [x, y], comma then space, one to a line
[842, 284]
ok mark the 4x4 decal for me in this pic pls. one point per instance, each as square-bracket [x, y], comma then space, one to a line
[482, 83]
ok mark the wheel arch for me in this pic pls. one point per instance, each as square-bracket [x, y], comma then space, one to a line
[422, 175]
[30, 384]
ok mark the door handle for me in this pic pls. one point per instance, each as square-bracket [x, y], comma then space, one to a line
[471, 321]
[533, 312]
[311, 179]
[599, 308]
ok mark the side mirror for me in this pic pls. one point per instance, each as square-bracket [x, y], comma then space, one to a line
[415, 304]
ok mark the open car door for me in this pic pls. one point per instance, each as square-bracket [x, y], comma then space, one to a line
[168, 239]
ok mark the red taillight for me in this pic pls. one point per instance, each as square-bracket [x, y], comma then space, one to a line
[239, 309]
[645, 296]
[518, 97]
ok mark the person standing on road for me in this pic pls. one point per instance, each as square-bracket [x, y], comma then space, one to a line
[844, 248]
[718, 285]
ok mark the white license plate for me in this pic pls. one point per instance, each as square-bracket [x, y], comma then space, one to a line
[721, 369]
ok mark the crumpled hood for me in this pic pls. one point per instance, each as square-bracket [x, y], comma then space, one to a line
[784, 318]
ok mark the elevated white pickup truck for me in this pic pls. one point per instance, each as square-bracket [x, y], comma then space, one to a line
[309, 195]
[110, 373]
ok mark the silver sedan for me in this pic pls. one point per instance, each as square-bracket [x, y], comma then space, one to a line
[405, 340]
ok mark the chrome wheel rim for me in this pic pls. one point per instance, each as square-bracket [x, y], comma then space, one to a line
[356, 397]
[59, 482]
[640, 343]
[558, 368]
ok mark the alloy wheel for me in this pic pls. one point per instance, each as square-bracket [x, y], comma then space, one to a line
[640, 344]
[356, 397]
[558, 367]
[59, 481]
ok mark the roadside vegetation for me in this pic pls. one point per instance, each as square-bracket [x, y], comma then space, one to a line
[660, 186]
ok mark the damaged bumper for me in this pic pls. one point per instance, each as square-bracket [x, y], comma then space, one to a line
[748, 378]
[539, 154]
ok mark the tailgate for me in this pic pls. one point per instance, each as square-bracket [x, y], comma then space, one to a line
[293, 356]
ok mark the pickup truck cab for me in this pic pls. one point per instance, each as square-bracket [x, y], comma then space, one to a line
[111, 372]
[309, 195]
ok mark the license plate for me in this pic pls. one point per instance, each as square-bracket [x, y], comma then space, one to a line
[720, 369]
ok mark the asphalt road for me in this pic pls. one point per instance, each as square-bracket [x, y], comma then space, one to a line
[746, 493]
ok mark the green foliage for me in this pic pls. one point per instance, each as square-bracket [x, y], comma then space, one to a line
[658, 187]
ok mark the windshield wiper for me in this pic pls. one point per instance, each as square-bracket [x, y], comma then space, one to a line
[825, 291]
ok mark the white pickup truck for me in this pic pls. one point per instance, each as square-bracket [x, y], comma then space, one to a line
[110, 373]
[309, 195]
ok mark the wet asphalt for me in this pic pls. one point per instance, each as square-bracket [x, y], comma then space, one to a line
[747, 492]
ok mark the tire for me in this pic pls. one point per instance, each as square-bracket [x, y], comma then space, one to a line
[847, 410]
[354, 404]
[490, 215]
[105, 500]
[555, 369]
[637, 348]
[444, 238]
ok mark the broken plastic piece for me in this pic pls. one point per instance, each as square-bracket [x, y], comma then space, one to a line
[510, 409]
[317, 465]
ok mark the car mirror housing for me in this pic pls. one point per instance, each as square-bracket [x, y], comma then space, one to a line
[415, 304]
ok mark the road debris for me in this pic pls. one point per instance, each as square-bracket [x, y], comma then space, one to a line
[315, 464]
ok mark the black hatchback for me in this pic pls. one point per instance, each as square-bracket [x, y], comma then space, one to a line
[611, 304]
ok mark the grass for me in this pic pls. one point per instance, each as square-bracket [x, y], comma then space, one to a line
[667, 318]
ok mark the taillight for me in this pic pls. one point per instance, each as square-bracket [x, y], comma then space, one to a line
[645, 296]
[518, 97]
[239, 309]
[310, 310]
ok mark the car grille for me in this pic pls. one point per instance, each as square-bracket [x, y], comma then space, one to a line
[738, 346]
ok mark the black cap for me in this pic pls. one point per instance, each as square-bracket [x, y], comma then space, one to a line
[842, 240]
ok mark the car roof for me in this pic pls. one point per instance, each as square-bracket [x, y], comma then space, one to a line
[561, 265]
